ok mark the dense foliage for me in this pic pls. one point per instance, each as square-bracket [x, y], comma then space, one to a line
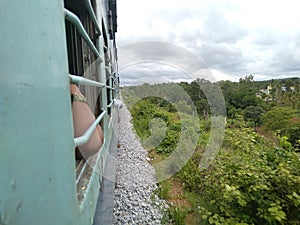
[255, 178]
[274, 104]
[149, 108]
[250, 182]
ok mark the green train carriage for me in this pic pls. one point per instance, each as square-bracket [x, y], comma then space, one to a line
[45, 46]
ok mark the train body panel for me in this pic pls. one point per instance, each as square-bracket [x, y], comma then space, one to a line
[39, 183]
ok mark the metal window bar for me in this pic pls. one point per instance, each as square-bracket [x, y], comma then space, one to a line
[88, 133]
[82, 169]
[72, 18]
[92, 15]
[84, 81]
[110, 88]
[111, 84]
[110, 104]
[81, 80]
[114, 77]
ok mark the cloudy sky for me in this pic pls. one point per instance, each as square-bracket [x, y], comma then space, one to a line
[231, 38]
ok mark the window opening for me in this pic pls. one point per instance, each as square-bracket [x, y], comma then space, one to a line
[83, 63]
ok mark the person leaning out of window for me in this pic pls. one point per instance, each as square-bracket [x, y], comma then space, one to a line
[82, 119]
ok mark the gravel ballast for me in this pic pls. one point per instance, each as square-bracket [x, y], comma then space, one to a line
[135, 201]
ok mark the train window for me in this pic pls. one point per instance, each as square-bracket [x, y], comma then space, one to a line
[107, 61]
[112, 14]
[81, 60]
[83, 54]
[80, 55]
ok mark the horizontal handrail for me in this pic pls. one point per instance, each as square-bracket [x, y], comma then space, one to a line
[88, 133]
[81, 80]
[92, 15]
[72, 18]
[110, 88]
[110, 105]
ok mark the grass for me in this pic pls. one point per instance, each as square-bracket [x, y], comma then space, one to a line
[181, 202]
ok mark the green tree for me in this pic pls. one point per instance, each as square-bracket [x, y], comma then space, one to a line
[253, 114]
[239, 96]
[279, 119]
[285, 121]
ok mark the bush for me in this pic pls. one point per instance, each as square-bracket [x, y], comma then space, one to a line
[177, 215]
[250, 182]
[253, 183]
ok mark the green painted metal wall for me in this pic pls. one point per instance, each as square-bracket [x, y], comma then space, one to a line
[37, 168]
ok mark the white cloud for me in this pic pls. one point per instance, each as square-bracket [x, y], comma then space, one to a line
[235, 38]
[152, 73]
[218, 75]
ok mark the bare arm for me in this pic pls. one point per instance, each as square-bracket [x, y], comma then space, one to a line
[82, 119]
